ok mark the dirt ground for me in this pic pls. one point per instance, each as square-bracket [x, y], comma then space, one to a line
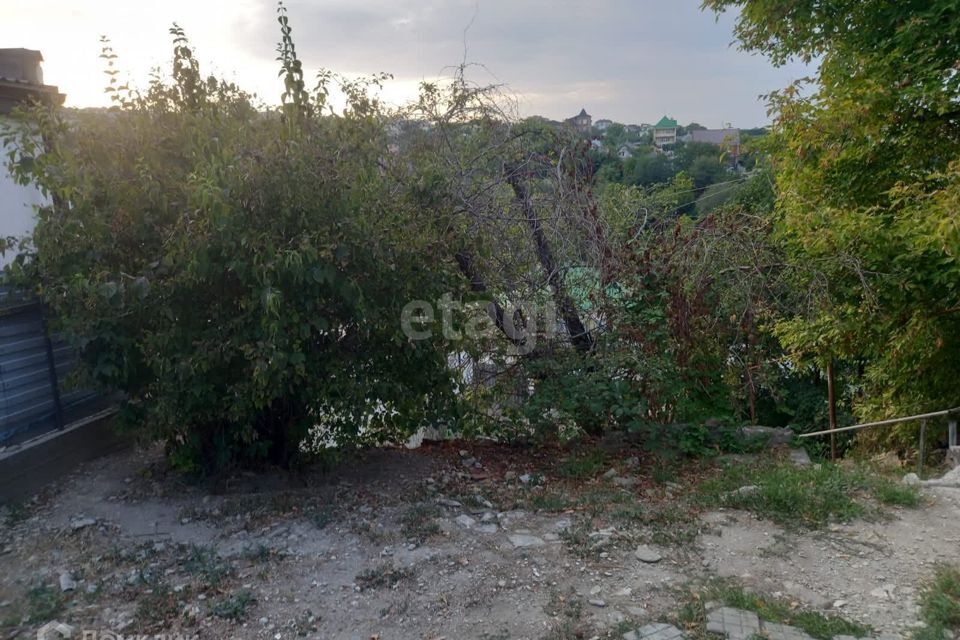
[450, 541]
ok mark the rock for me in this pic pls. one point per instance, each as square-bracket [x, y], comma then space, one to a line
[656, 631]
[521, 540]
[447, 502]
[510, 476]
[647, 554]
[81, 523]
[625, 481]
[742, 492]
[637, 612]
[911, 480]
[67, 583]
[799, 457]
[773, 436]
[597, 602]
[623, 593]
[777, 631]
[465, 521]
[611, 473]
[526, 478]
[489, 527]
[839, 604]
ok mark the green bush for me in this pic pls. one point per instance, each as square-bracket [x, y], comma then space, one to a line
[238, 275]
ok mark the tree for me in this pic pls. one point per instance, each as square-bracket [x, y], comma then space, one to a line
[866, 158]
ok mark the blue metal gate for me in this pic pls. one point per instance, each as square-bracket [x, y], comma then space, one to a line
[33, 368]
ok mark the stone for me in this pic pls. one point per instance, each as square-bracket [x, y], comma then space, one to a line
[625, 481]
[777, 631]
[611, 473]
[521, 540]
[597, 602]
[845, 638]
[799, 457]
[447, 502]
[774, 436]
[742, 492]
[637, 611]
[736, 624]
[911, 480]
[510, 476]
[489, 527]
[526, 478]
[647, 554]
[67, 583]
[81, 523]
[655, 631]
[465, 521]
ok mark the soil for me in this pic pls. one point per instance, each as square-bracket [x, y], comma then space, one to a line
[447, 541]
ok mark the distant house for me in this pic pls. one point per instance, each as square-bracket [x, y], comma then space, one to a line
[625, 152]
[581, 122]
[728, 139]
[21, 83]
[602, 124]
[665, 132]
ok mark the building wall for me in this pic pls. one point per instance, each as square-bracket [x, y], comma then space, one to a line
[17, 204]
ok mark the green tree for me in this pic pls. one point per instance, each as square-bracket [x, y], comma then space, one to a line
[866, 159]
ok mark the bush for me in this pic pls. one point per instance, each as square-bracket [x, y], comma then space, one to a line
[237, 275]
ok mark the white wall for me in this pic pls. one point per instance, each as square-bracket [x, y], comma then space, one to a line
[16, 204]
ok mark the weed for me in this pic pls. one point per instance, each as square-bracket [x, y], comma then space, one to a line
[583, 466]
[205, 562]
[235, 606]
[940, 605]
[384, 575]
[320, 517]
[568, 610]
[692, 614]
[550, 502]
[156, 607]
[418, 522]
[258, 553]
[43, 604]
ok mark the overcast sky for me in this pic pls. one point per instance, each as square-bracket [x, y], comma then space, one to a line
[629, 60]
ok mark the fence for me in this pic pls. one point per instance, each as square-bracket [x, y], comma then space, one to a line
[33, 367]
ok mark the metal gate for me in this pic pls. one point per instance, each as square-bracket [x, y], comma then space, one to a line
[33, 367]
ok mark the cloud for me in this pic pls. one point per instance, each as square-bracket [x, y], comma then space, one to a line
[630, 60]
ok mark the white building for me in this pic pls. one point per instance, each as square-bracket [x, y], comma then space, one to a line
[21, 83]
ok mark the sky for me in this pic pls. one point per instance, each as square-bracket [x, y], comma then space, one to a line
[631, 61]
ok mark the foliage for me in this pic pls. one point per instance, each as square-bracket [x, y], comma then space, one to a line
[868, 182]
[237, 274]
[940, 605]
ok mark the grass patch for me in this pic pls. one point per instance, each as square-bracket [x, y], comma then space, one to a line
[234, 607]
[587, 465]
[693, 614]
[806, 497]
[940, 605]
[384, 575]
[418, 522]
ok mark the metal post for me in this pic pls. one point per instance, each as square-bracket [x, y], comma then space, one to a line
[952, 427]
[832, 401]
[923, 443]
[52, 370]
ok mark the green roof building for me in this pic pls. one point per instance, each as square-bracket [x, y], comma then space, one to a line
[665, 132]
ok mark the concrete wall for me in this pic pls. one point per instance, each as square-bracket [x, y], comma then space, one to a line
[17, 203]
[25, 469]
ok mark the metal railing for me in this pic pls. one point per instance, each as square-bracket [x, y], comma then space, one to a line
[922, 417]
